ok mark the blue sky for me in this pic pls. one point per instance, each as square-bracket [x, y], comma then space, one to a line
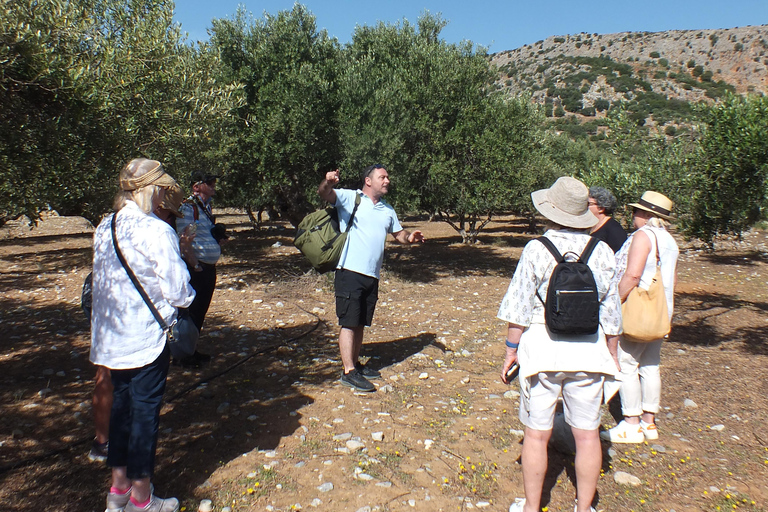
[499, 25]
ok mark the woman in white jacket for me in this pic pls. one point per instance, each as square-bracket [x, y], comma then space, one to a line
[126, 338]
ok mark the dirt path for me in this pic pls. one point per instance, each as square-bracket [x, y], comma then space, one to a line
[267, 425]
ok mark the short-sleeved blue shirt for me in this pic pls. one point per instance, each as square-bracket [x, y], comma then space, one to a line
[364, 250]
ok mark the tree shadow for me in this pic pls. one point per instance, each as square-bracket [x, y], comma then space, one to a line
[696, 326]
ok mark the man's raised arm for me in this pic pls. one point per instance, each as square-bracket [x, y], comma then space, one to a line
[326, 187]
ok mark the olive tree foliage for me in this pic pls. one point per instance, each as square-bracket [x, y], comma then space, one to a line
[731, 170]
[424, 109]
[636, 162]
[284, 137]
[86, 86]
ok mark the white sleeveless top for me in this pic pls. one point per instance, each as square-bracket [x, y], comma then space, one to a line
[668, 253]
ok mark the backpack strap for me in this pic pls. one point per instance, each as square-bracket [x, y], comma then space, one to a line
[558, 257]
[549, 245]
[584, 258]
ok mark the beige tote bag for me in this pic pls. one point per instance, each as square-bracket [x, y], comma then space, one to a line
[645, 315]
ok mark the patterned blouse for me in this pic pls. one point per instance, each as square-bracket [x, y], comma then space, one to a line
[540, 350]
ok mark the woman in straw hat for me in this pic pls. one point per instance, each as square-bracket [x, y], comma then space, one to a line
[636, 267]
[551, 365]
[126, 338]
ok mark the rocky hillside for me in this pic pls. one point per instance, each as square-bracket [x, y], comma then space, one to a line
[658, 73]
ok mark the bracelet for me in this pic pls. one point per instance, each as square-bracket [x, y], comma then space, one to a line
[510, 344]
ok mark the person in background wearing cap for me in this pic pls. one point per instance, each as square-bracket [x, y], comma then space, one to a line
[636, 266]
[197, 218]
[574, 366]
[126, 338]
[356, 281]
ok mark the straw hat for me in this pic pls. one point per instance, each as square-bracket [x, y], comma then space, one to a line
[658, 204]
[174, 196]
[565, 203]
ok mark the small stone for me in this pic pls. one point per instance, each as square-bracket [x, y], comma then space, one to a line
[343, 437]
[670, 415]
[423, 375]
[277, 244]
[16, 434]
[712, 488]
[428, 444]
[512, 394]
[271, 454]
[377, 436]
[658, 448]
[465, 380]
[222, 407]
[338, 420]
[363, 476]
[690, 403]
[386, 388]
[60, 374]
[326, 487]
[354, 446]
[516, 433]
[611, 452]
[622, 478]
[364, 509]
[384, 484]
[482, 504]
[44, 392]
[315, 502]
[717, 428]
[300, 464]
[252, 417]
[412, 503]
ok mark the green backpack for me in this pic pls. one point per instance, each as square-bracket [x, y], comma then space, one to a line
[320, 239]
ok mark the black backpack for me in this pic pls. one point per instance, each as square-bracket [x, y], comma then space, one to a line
[572, 305]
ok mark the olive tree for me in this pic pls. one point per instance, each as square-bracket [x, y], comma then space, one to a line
[284, 136]
[86, 86]
[426, 110]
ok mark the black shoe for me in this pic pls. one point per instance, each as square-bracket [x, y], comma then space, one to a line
[356, 381]
[98, 451]
[196, 360]
[367, 372]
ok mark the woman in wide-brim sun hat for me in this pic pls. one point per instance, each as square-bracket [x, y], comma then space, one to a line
[553, 365]
[636, 267]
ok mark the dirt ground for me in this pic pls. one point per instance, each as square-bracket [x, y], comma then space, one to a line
[267, 426]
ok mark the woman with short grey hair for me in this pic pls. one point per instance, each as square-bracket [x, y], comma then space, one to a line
[602, 204]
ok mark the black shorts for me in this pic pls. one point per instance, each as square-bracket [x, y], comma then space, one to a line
[356, 296]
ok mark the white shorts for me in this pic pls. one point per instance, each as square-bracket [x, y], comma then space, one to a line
[582, 395]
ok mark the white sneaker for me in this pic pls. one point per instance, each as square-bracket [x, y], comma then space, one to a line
[624, 433]
[650, 431]
[518, 505]
[576, 508]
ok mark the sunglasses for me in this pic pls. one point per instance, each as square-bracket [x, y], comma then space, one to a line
[210, 182]
[369, 170]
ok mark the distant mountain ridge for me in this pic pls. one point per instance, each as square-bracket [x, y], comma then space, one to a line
[587, 73]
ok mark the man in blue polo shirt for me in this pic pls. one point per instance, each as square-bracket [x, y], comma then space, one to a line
[357, 275]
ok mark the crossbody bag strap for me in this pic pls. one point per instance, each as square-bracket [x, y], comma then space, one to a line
[197, 202]
[354, 211]
[134, 279]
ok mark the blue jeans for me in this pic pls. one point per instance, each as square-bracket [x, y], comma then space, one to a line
[135, 419]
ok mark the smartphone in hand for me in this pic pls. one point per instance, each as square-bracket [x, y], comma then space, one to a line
[512, 373]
